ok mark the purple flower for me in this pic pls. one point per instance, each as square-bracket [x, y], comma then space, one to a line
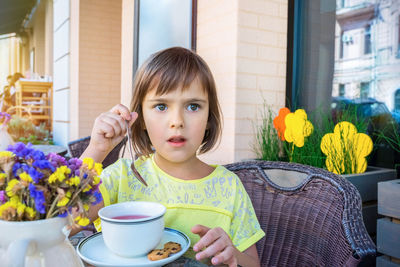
[26, 151]
[2, 197]
[16, 167]
[36, 155]
[98, 197]
[43, 164]
[36, 176]
[19, 149]
[74, 164]
[56, 160]
[64, 214]
[38, 196]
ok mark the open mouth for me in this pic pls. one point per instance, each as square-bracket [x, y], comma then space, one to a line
[177, 140]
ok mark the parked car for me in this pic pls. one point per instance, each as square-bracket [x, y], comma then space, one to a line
[376, 112]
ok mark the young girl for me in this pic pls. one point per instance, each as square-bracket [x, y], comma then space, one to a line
[177, 115]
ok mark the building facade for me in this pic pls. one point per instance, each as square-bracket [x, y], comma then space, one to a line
[367, 51]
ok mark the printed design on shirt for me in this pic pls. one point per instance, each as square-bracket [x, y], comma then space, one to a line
[220, 191]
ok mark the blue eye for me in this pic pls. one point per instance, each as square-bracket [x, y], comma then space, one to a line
[161, 107]
[193, 107]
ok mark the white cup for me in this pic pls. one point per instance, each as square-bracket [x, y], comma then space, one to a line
[132, 237]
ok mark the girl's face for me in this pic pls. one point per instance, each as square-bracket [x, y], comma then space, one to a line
[176, 122]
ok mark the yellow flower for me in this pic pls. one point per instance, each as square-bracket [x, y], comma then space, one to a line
[60, 174]
[12, 187]
[297, 127]
[96, 180]
[87, 188]
[30, 213]
[12, 203]
[82, 221]
[20, 209]
[98, 167]
[25, 177]
[2, 176]
[74, 181]
[64, 201]
[89, 162]
[3, 208]
[86, 206]
[346, 149]
[6, 154]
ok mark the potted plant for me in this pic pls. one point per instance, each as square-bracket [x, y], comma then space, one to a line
[341, 147]
[41, 197]
[22, 129]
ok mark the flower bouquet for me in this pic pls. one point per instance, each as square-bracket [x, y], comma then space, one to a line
[34, 186]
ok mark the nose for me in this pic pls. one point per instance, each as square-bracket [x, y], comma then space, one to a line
[177, 120]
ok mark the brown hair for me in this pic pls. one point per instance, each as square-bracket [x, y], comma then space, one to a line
[166, 71]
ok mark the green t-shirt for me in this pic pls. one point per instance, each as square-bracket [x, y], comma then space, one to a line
[218, 200]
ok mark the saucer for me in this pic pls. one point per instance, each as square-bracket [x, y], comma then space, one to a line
[93, 250]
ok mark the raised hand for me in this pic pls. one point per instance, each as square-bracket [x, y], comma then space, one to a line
[216, 244]
[109, 129]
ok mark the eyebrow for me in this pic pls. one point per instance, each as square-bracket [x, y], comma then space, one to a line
[167, 100]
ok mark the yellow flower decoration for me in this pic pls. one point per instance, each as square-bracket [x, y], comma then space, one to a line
[12, 187]
[12, 203]
[82, 221]
[60, 174]
[25, 177]
[30, 213]
[74, 181]
[2, 176]
[21, 209]
[96, 180]
[89, 162]
[87, 188]
[297, 127]
[64, 201]
[6, 154]
[346, 149]
[98, 167]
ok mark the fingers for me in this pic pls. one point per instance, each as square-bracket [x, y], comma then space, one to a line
[214, 248]
[121, 110]
[200, 230]
[110, 125]
[134, 116]
[226, 257]
[216, 244]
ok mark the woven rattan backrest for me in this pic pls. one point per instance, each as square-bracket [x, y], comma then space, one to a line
[317, 223]
[77, 147]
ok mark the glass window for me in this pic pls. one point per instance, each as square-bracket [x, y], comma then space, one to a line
[367, 40]
[397, 101]
[348, 52]
[342, 90]
[364, 89]
[161, 24]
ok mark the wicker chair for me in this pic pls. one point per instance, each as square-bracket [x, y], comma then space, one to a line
[317, 222]
[77, 147]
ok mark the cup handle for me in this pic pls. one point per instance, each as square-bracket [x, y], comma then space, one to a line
[18, 250]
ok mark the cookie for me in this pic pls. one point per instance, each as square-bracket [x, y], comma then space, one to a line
[172, 247]
[157, 254]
